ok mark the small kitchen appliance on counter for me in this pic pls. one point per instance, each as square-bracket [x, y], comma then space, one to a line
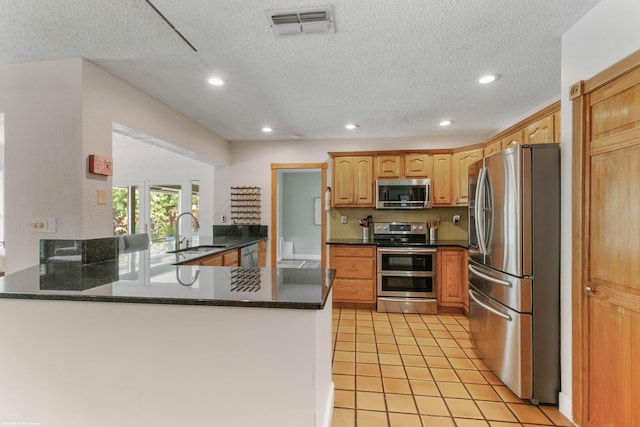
[406, 270]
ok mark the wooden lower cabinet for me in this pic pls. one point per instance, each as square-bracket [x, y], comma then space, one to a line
[262, 253]
[225, 259]
[453, 283]
[355, 279]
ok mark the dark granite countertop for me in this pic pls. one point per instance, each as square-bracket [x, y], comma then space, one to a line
[459, 243]
[143, 276]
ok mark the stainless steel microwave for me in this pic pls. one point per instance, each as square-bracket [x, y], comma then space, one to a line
[403, 193]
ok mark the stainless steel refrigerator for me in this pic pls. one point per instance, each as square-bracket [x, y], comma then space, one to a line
[514, 267]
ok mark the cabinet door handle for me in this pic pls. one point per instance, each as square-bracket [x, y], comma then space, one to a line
[589, 289]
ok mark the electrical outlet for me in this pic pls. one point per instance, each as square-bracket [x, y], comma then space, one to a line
[224, 219]
[343, 219]
[456, 219]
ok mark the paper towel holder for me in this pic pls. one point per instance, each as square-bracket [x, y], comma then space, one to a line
[327, 199]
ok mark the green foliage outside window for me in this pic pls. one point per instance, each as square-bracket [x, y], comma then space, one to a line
[164, 211]
[119, 204]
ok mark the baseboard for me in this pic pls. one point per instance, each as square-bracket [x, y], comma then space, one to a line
[328, 411]
[565, 405]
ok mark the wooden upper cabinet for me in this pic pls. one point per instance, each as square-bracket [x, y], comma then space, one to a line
[353, 181]
[556, 127]
[417, 165]
[343, 176]
[412, 165]
[461, 162]
[441, 179]
[512, 139]
[493, 147]
[540, 132]
[389, 166]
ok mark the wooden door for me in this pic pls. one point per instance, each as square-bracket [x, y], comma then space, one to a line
[606, 265]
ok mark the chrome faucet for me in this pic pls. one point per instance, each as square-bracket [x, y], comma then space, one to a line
[178, 241]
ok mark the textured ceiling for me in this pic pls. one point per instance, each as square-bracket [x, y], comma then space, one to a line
[396, 67]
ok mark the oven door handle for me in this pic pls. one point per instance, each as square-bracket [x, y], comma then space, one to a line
[489, 278]
[486, 307]
[407, 250]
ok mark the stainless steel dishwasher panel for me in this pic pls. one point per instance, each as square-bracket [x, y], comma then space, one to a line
[249, 256]
[503, 339]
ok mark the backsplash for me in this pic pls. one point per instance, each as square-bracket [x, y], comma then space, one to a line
[447, 230]
[240, 231]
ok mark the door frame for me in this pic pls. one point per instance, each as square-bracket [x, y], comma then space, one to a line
[274, 206]
[579, 94]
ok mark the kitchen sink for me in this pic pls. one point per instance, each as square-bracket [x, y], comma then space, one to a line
[198, 249]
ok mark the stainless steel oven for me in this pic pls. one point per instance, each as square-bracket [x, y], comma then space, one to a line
[406, 268]
[406, 272]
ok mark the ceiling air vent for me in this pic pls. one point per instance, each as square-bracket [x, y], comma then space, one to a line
[316, 20]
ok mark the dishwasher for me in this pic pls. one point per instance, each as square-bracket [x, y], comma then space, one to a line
[249, 256]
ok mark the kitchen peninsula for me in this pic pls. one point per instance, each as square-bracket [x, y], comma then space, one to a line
[166, 345]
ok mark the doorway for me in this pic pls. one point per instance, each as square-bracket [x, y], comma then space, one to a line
[298, 220]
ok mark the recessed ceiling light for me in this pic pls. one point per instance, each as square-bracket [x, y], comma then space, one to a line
[267, 129]
[352, 126]
[215, 81]
[488, 78]
[445, 122]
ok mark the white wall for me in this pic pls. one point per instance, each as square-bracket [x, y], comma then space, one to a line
[606, 34]
[43, 153]
[132, 365]
[56, 114]
[107, 99]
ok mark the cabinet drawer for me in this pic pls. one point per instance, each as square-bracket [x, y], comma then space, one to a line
[353, 290]
[353, 250]
[354, 268]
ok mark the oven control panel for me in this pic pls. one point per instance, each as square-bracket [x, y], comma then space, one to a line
[400, 228]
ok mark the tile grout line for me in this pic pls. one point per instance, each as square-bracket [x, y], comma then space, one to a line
[406, 322]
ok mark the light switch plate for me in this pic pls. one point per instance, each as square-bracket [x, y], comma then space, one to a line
[343, 219]
[102, 197]
[43, 225]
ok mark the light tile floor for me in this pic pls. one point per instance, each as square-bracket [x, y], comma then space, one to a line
[411, 370]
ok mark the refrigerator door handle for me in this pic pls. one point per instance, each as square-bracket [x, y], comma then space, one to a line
[479, 213]
[487, 277]
[486, 307]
